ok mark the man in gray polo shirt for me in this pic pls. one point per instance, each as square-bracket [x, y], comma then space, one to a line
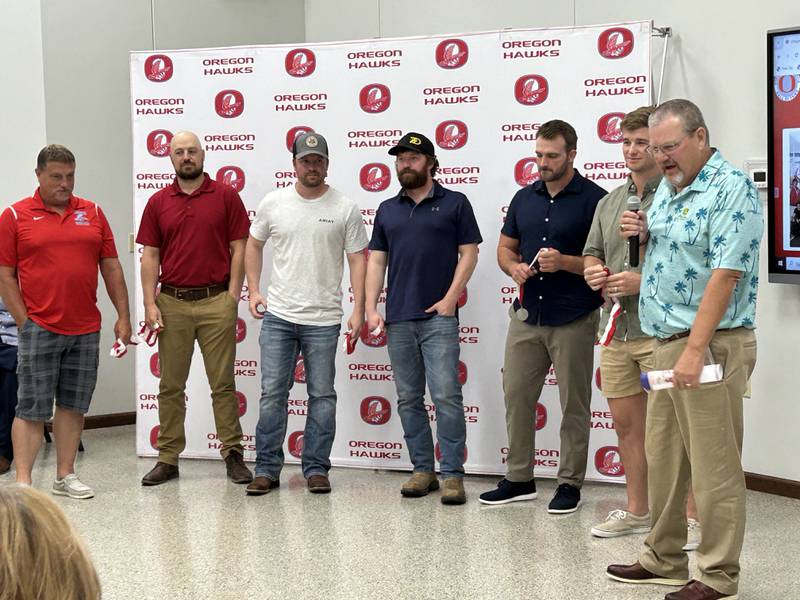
[312, 227]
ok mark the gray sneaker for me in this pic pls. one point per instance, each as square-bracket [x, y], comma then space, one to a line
[621, 522]
[73, 487]
[693, 535]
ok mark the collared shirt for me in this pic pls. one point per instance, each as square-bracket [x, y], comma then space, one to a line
[422, 241]
[56, 257]
[562, 222]
[716, 222]
[8, 327]
[193, 232]
[605, 242]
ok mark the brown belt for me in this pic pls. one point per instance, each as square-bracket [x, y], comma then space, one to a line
[192, 294]
[683, 334]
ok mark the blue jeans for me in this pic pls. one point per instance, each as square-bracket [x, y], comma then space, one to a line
[428, 349]
[281, 342]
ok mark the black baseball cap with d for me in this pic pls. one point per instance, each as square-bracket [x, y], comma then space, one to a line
[309, 143]
[415, 142]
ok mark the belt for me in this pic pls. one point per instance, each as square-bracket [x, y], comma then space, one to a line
[192, 294]
[683, 334]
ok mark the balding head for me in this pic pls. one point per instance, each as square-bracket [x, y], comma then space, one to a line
[187, 155]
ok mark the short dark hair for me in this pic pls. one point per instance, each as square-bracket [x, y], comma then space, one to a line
[54, 153]
[637, 119]
[552, 129]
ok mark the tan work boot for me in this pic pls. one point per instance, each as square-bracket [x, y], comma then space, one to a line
[419, 485]
[453, 491]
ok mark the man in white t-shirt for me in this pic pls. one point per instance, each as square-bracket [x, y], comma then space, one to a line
[312, 227]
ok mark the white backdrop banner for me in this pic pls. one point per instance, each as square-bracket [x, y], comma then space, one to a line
[481, 97]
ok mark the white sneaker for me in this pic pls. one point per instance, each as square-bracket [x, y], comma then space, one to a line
[693, 535]
[621, 522]
[73, 487]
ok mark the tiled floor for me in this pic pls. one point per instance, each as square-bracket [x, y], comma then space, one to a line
[200, 537]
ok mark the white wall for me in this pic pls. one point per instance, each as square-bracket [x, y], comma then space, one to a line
[22, 115]
[717, 58]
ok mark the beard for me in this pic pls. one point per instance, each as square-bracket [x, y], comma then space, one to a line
[312, 180]
[189, 171]
[550, 175]
[412, 180]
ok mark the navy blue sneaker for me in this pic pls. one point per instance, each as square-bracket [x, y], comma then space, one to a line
[567, 499]
[510, 491]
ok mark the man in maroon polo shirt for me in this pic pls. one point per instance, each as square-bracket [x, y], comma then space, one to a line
[51, 246]
[195, 230]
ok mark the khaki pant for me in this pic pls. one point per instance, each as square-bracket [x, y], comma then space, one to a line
[212, 322]
[530, 351]
[697, 435]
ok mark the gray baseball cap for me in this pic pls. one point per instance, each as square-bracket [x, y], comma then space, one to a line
[310, 143]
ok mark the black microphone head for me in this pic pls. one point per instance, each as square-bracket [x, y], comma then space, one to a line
[634, 203]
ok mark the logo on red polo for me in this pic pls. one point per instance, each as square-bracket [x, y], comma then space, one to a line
[462, 373]
[375, 177]
[155, 365]
[373, 341]
[525, 171]
[154, 437]
[608, 461]
[615, 43]
[294, 133]
[231, 176]
[541, 416]
[296, 443]
[452, 54]
[531, 90]
[608, 127]
[299, 370]
[158, 68]
[451, 135]
[158, 142]
[300, 62]
[462, 299]
[229, 103]
[375, 410]
[241, 330]
[374, 98]
[438, 453]
[242, 403]
[598, 380]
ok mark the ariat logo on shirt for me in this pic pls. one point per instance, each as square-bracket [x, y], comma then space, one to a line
[326, 221]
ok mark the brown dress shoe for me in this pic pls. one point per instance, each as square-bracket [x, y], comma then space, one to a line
[694, 590]
[636, 573]
[319, 484]
[237, 471]
[161, 473]
[5, 465]
[261, 485]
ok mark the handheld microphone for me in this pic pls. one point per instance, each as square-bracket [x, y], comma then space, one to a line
[634, 204]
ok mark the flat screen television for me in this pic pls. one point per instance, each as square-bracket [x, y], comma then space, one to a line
[783, 162]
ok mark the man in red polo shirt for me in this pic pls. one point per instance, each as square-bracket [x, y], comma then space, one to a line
[51, 246]
[195, 230]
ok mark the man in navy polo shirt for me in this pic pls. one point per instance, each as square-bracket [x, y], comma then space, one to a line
[429, 238]
[555, 320]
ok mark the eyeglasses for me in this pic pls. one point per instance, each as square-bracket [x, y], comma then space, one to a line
[667, 149]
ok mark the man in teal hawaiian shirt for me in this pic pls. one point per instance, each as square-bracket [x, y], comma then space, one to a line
[698, 298]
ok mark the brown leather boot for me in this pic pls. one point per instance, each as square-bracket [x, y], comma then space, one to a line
[161, 473]
[262, 485]
[237, 471]
[453, 491]
[419, 485]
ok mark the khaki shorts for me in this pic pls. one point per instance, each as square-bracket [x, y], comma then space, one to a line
[621, 364]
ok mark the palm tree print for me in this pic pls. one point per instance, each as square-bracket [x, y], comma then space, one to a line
[738, 219]
[719, 242]
[681, 288]
[751, 196]
[709, 255]
[754, 245]
[658, 269]
[670, 223]
[667, 310]
[690, 275]
[688, 227]
[673, 248]
[747, 322]
[745, 260]
[651, 280]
